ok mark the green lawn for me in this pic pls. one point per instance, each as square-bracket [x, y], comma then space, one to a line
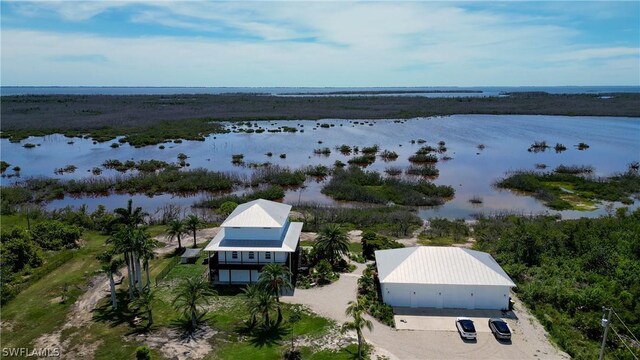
[39, 310]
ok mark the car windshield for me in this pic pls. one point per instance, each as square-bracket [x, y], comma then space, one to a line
[501, 326]
[467, 326]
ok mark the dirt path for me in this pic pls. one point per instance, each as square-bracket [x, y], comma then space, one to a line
[530, 340]
[81, 313]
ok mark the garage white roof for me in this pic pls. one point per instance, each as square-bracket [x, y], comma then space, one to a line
[258, 213]
[440, 265]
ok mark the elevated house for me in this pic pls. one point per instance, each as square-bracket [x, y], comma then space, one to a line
[255, 234]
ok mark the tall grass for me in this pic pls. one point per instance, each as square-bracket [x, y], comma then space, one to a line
[354, 184]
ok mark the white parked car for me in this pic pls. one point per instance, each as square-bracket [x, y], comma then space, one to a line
[466, 328]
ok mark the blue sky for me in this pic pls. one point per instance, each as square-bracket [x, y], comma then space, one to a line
[197, 43]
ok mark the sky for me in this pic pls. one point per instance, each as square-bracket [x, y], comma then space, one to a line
[319, 44]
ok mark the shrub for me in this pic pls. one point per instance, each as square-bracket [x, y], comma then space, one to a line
[560, 148]
[388, 155]
[143, 353]
[424, 170]
[317, 171]
[393, 171]
[582, 146]
[538, 146]
[426, 150]
[344, 149]
[476, 200]
[574, 169]
[354, 184]
[278, 175]
[372, 242]
[370, 149]
[19, 251]
[423, 158]
[55, 235]
[322, 151]
[363, 160]
[4, 166]
[227, 208]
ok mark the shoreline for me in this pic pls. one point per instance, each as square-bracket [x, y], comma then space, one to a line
[153, 119]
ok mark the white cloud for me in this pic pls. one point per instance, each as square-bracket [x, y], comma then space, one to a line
[358, 44]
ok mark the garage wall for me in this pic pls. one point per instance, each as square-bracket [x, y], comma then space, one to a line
[446, 296]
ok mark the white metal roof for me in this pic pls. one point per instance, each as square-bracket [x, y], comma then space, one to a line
[440, 265]
[258, 213]
[288, 244]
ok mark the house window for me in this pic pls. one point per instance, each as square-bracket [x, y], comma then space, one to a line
[234, 254]
[251, 255]
[267, 256]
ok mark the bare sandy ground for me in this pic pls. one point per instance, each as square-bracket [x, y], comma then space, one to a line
[530, 340]
[81, 314]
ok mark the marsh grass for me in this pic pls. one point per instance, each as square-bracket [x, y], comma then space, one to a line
[423, 170]
[388, 155]
[354, 184]
[423, 158]
[562, 191]
[363, 160]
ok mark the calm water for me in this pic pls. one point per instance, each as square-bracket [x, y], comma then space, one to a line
[613, 144]
[289, 91]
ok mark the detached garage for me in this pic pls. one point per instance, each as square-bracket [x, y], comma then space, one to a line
[442, 277]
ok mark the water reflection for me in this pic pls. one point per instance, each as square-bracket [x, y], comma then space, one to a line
[472, 171]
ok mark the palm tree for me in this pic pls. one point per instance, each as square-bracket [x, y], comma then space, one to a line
[274, 278]
[143, 303]
[193, 294]
[250, 293]
[356, 310]
[145, 249]
[332, 243]
[129, 216]
[193, 222]
[176, 229]
[111, 265]
[122, 244]
[261, 304]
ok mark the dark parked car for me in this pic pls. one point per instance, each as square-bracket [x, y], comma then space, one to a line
[500, 329]
[466, 328]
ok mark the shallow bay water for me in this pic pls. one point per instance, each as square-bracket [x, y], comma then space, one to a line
[613, 143]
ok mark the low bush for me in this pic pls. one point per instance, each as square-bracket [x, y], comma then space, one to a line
[388, 155]
[368, 285]
[269, 193]
[423, 158]
[363, 160]
[372, 242]
[355, 184]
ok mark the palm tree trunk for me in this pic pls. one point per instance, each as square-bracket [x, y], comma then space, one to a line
[127, 257]
[150, 316]
[194, 239]
[179, 242]
[138, 273]
[146, 268]
[194, 318]
[359, 344]
[112, 284]
[266, 318]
